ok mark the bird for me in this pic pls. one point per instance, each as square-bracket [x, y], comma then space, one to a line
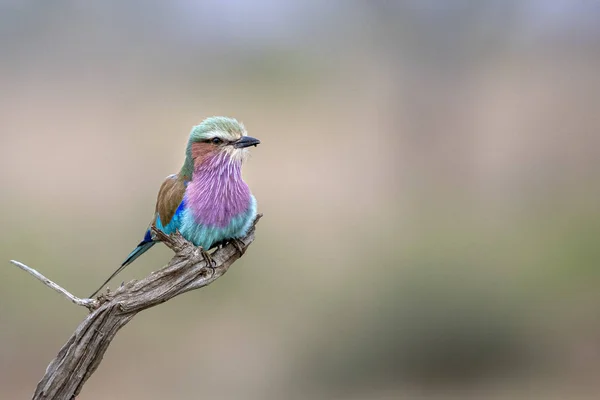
[207, 202]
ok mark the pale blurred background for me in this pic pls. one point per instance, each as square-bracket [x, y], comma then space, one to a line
[429, 175]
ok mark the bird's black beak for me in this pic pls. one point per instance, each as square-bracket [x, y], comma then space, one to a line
[246, 141]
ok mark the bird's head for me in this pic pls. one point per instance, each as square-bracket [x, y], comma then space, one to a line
[218, 136]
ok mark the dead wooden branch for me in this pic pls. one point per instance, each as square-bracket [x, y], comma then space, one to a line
[83, 352]
[89, 303]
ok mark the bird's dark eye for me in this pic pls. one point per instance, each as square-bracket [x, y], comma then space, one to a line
[216, 140]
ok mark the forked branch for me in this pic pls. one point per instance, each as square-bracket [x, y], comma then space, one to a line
[83, 352]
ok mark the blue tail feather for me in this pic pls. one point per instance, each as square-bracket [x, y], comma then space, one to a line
[138, 251]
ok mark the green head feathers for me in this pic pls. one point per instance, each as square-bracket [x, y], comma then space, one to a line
[223, 127]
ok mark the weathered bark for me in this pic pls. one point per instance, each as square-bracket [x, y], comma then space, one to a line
[83, 352]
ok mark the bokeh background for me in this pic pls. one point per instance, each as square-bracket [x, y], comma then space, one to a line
[429, 175]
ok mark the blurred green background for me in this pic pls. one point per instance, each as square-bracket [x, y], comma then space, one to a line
[429, 175]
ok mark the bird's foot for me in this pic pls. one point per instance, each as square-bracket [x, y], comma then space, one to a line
[239, 246]
[219, 245]
[210, 263]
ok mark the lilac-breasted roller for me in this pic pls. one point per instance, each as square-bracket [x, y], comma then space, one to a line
[207, 201]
